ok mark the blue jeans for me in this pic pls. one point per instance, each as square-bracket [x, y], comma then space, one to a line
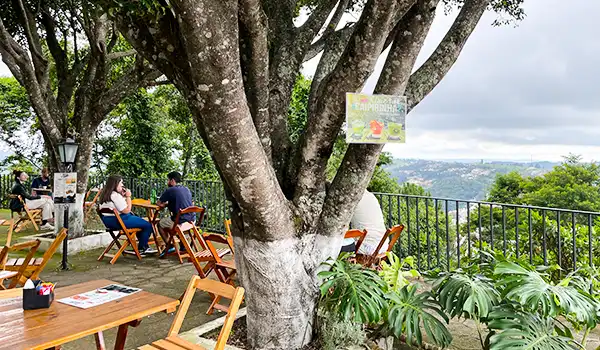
[131, 221]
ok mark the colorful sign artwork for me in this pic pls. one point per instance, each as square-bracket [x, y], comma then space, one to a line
[375, 118]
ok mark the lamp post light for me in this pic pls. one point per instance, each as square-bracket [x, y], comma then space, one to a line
[67, 151]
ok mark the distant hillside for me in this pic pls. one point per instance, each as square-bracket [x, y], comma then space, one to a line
[460, 179]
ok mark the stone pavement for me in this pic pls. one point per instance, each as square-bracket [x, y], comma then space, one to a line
[160, 276]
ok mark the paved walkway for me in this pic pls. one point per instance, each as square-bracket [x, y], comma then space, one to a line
[161, 276]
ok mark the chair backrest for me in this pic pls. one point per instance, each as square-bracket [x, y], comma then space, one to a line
[23, 204]
[62, 235]
[10, 224]
[215, 288]
[209, 238]
[32, 246]
[199, 211]
[229, 234]
[358, 234]
[394, 232]
[115, 212]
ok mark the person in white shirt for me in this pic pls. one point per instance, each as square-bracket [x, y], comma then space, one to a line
[368, 215]
[116, 196]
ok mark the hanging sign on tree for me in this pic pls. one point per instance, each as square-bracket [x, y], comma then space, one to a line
[375, 118]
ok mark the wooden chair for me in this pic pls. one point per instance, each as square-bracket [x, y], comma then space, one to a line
[36, 266]
[10, 225]
[32, 247]
[188, 236]
[224, 269]
[26, 215]
[174, 342]
[229, 234]
[88, 206]
[124, 238]
[376, 257]
[358, 235]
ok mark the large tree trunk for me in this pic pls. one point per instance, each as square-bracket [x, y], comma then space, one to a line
[280, 278]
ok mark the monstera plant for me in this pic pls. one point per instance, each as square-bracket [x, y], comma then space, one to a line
[520, 307]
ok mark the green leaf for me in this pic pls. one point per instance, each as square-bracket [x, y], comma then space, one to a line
[523, 331]
[410, 312]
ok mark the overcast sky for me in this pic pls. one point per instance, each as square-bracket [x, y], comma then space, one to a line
[520, 93]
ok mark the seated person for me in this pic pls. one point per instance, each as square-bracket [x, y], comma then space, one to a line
[176, 197]
[116, 196]
[42, 181]
[368, 215]
[33, 202]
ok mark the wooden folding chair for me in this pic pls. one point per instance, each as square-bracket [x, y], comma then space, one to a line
[36, 266]
[376, 257]
[32, 247]
[124, 238]
[224, 269]
[180, 235]
[358, 235]
[174, 342]
[10, 227]
[89, 205]
[229, 234]
[26, 215]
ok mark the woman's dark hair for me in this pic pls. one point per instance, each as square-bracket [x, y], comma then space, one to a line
[17, 174]
[111, 185]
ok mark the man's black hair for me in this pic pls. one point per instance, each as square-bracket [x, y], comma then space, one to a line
[174, 175]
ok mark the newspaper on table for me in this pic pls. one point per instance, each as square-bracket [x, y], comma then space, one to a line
[99, 296]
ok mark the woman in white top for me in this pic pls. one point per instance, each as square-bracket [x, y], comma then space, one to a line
[115, 196]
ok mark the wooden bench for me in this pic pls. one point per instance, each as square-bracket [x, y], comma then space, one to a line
[174, 342]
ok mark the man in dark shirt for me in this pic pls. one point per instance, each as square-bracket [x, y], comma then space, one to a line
[176, 197]
[42, 181]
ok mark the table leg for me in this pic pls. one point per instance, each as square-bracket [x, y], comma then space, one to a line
[99, 337]
[122, 334]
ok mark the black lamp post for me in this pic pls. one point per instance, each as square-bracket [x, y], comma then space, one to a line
[67, 152]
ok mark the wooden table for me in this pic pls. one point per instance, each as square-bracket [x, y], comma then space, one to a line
[61, 323]
[152, 211]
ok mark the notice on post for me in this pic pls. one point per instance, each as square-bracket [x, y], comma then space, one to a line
[375, 118]
[65, 187]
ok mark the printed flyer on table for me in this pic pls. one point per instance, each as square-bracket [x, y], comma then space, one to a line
[99, 296]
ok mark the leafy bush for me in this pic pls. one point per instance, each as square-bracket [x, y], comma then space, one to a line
[338, 334]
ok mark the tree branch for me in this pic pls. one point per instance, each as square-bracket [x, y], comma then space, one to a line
[111, 56]
[445, 55]
[326, 114]
[255, 64]
[315, 22]
[359, 161]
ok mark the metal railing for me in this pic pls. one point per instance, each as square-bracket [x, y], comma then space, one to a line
[208, 194]
[448, 233]
[439, 232]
